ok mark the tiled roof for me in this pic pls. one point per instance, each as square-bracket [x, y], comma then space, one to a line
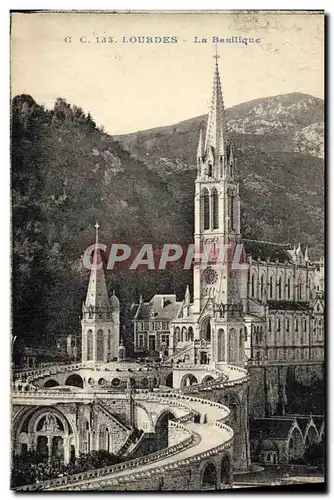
[287, 305]
[270, 428]
[163, 306]
[264, 250]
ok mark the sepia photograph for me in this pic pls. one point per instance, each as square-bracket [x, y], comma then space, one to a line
[167, 251]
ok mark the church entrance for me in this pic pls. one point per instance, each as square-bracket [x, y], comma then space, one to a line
[203, 358]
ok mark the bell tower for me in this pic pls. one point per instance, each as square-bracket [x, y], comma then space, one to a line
[100, 316]
[217, 206]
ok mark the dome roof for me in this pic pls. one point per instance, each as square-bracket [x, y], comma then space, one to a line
[114, 302]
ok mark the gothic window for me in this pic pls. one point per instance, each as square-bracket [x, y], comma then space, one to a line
[184, 335]
[287, 325]
[305, 325]
[232, 353]
[177, 334]
[262, 287]
[253, 285]
[278, 324]
[280, 288]
[89, 345]
[289, 288]
[221, 340]
[215, 209]
[210, 170]
[99, 346]
[230, 211]
[271, 287]
[269, 325]
[206, 209]
[297, 324]
[190, 334]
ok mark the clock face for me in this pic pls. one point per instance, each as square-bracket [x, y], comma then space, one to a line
[210, 276]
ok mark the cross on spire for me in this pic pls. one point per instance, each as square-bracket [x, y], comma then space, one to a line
[216, 56]
[97, 225]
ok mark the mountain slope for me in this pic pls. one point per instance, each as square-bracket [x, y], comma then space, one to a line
[279, 143]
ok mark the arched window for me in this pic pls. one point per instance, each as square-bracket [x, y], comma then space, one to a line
[100, 346]
[289, 288]
[278, 324]
[297, 325]
[287, 325]
[89, 345]
[177, 334]
[253, 285]
[280, 288]
[190, 334]
[269, 325]
[206, 209]
[230, 212]
[221, 345]
[271, 287]
[215, 209]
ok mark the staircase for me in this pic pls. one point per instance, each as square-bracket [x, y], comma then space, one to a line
[182, 351]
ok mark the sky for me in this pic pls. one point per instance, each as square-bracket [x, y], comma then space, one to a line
[133, 86]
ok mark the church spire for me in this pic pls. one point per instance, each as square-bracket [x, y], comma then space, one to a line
[97, 294]
[215, 131]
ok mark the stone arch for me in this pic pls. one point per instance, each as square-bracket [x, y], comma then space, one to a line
[225, 469]
[205, 329]
[144, 382]
[207, 378]
[232, 346]
[41, 423]
[90, 342]
[99, 345]
[209, 476]
[115, 382]
[221, 345]
[295, 444]
[74, 380]
[190, 334]
[51, 383]
[161, 428]
[311, 435]
[188, 379]
[177, 334]
[169, 379]
[143, 418]
[103, 437]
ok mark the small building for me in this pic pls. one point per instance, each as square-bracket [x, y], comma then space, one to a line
[151, 323]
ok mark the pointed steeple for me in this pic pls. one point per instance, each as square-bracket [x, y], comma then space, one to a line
[97, 294]
[200, 145]
[306, 257]
[187, 296]
[215, 131]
